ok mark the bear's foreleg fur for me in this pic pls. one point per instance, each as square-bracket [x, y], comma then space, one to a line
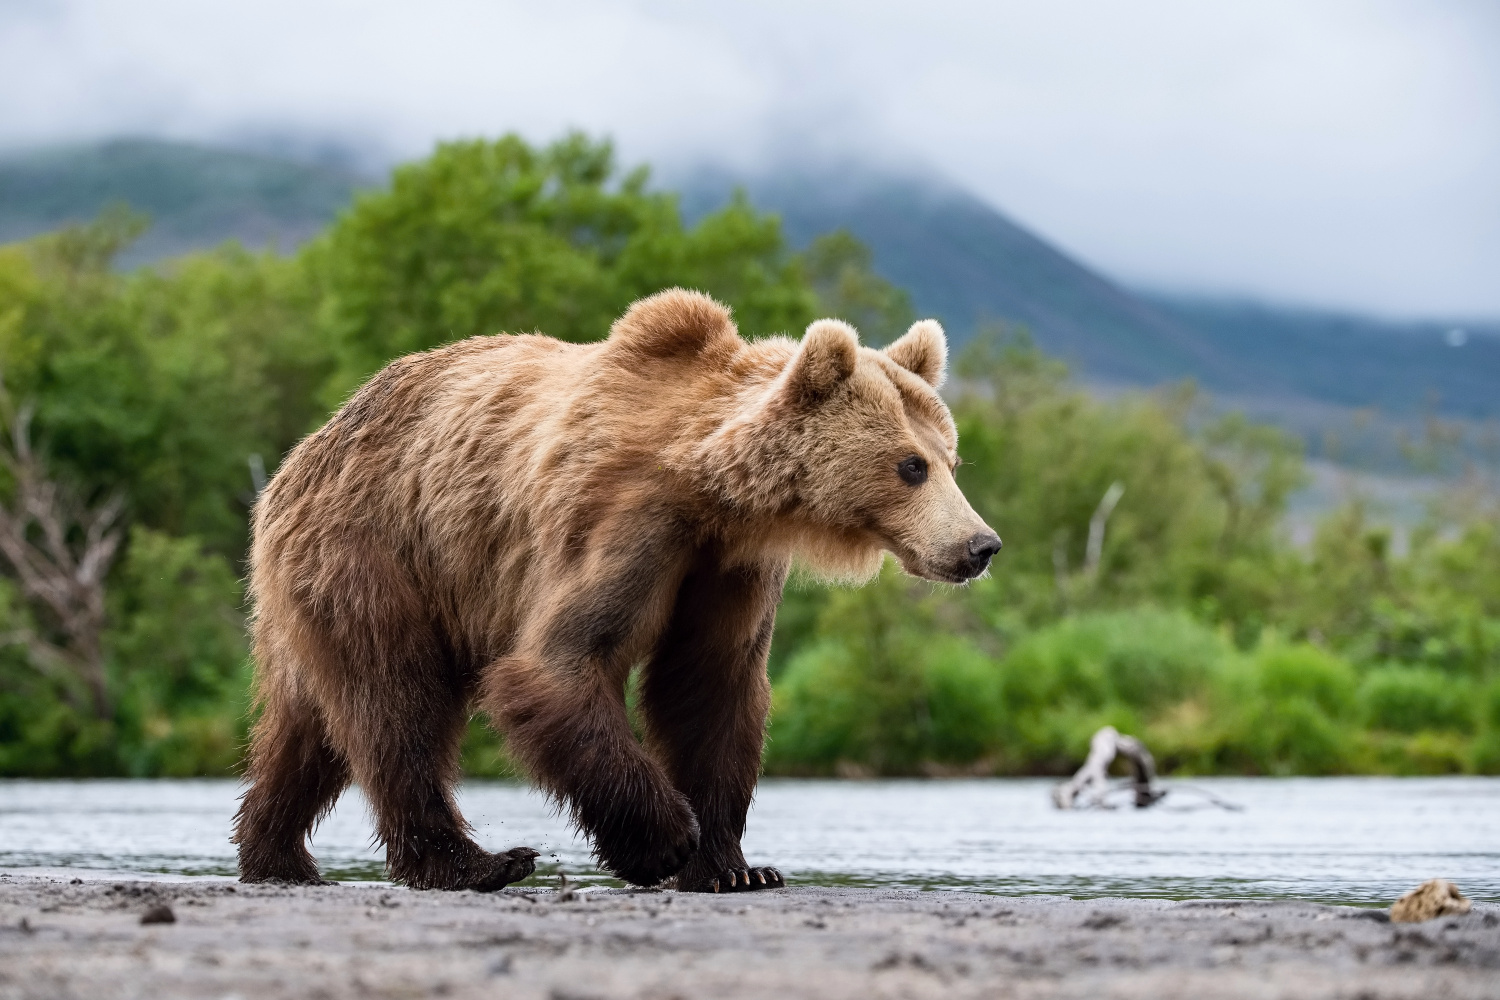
[559, 697]
[704, 699]
[567, 726]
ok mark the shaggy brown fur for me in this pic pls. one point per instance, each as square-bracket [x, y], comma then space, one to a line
[514, 523]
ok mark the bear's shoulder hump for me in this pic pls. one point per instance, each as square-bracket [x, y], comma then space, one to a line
[674, 323]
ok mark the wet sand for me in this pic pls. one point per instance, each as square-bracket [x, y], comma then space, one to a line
[61, 938]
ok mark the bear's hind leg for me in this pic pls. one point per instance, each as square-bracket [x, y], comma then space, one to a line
[404, 755]
[296, 776]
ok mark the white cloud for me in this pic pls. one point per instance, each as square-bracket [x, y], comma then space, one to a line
[1334, 152]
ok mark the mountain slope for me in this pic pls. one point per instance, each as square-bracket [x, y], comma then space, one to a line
[196, 196]
[961, 260]
[967, 264]
[1398, 368]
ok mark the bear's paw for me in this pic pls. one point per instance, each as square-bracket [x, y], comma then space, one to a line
[507, 867]
[464, 865]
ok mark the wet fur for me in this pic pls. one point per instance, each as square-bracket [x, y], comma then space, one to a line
[512, 523]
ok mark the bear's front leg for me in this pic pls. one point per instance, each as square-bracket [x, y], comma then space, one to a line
[705, 698]
[569, 730]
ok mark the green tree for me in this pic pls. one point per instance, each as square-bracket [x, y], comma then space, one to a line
[841, 271]
[493, 237]
[160, 385]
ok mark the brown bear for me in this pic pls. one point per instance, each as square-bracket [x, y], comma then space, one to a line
[514, 523]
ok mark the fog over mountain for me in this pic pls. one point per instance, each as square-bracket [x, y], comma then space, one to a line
[1339, 153]
[970, 265]
[962, 261]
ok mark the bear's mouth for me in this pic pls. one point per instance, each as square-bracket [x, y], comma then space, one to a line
[963, 577]
[921, 569]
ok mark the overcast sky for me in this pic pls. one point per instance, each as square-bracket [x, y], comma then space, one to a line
[1335, 153]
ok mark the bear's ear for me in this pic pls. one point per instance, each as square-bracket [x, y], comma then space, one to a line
[923, 351]
[673, 322]
[825, 358]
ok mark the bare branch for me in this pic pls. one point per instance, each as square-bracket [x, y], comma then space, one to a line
[60, 552]
[1097, 523]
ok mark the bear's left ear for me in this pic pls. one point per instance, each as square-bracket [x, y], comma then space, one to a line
[826, 357]
[923, 351]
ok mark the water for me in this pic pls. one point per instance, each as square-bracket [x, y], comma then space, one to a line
[1345, 840]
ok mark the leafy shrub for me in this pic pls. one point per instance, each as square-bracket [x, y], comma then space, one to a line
[42, 736]
[1146, 659]
[1295, 736]
[179, 650]
[1289, 709]
[1300, 672]
[939, 706]
[879, 688]
[1411, 699]
[1486, 753]
[1117, 668]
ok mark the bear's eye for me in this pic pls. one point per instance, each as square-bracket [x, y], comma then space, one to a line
[912, 470]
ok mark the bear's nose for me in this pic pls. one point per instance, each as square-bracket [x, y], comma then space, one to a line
[982, 547]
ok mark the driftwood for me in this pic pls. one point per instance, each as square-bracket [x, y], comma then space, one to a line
[1091, 787]
[1088, 788]
[59, 551]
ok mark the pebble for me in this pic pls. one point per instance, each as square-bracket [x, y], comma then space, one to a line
[161, 914]
[1437, 897]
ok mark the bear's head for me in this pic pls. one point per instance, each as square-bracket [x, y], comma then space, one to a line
[854, 450]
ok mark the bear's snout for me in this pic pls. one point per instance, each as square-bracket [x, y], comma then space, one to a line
[978, 552]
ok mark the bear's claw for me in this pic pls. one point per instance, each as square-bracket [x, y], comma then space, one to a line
[740, 880]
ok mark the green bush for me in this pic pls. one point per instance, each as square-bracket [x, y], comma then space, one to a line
[930, 703]
[915, 700]
[1288, 710]
[178, 650]
[878, 689]
[42, 736]
[1411, 699]
[1295, 736]
[1304, 673]
[1145, 659]
[1486, 751]
[1124, 669]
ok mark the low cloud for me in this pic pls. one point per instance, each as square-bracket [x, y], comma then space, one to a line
[1337, 153]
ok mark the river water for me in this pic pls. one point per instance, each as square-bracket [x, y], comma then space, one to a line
[1345, 840]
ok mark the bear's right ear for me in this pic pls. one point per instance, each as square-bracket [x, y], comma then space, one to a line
[923, 351]
[826, 357]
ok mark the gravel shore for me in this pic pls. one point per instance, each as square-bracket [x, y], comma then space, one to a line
[63, 937]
